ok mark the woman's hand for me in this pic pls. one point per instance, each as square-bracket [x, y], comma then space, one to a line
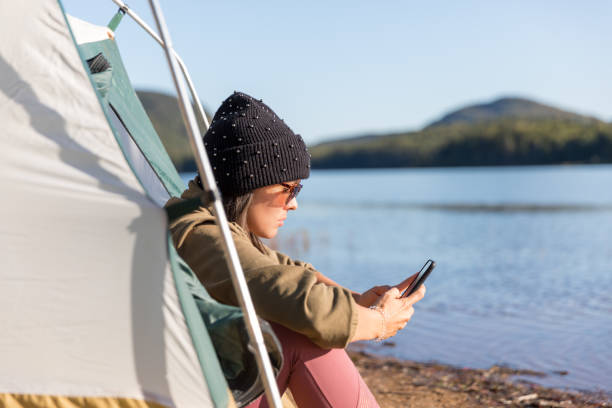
[398, 311]
[367, 298]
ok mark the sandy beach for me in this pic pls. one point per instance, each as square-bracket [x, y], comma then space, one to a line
[399, 383]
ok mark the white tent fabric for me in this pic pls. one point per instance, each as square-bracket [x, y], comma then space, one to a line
[88, 305]
[85, 32]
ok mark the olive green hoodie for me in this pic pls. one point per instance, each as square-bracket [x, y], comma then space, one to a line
[283, 290]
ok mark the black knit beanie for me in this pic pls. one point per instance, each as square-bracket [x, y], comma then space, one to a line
[250, 147]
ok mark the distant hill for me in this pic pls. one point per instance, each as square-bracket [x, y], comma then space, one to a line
[508, 131]
[506, 108]
[166, 117]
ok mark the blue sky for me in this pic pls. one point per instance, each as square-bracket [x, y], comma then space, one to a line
[345, 68]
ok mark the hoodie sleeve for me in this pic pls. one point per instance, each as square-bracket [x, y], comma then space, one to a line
[286, 260]
[283, 292]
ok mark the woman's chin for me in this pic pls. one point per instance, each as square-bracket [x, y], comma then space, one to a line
[270, 234]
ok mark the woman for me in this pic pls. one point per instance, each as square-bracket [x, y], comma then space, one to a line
[258, 164]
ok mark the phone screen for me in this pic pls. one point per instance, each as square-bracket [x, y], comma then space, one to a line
[420, 278]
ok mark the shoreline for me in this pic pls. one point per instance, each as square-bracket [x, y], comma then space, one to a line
[403, 383]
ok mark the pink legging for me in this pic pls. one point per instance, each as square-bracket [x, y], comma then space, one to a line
[318, 377]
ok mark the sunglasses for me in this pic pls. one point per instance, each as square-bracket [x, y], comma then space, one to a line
[292, 189]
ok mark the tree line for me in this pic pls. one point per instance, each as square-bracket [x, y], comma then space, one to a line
[500, 142]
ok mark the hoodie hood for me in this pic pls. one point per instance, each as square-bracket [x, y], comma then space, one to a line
[190, 210]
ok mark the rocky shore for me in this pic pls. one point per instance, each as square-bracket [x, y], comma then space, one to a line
[398, 383]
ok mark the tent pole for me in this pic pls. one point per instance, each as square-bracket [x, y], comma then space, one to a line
[210, 187]
[153, 34]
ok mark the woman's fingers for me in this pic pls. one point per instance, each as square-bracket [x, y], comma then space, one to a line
[406, 315]
[401, 316]
[400, 322]
[398, 311]
[406, 282]
[380, 290]
[410, 313]
[393, 292]
[371, 296]
[416, 296]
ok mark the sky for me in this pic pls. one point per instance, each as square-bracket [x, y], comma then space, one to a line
[335, 69]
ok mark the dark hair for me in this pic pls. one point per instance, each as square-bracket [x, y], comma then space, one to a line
[236, 209]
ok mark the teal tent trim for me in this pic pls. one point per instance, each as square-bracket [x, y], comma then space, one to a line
[124, 100]
[114, 23]
[213, 374]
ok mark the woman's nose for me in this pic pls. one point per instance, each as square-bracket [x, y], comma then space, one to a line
[292, 204]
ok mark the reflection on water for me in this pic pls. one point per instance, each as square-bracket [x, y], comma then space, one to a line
[524, 260]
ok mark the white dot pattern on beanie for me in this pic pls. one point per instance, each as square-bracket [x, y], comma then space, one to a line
[257, 150]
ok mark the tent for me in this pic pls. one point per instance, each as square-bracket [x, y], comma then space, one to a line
[96, 308]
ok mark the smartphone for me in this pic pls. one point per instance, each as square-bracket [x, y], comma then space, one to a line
[420, 278]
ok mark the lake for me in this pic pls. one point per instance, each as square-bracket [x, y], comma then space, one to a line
[524, 260]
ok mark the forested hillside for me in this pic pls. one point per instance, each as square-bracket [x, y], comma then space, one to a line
[508, 131]
[489, 143]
